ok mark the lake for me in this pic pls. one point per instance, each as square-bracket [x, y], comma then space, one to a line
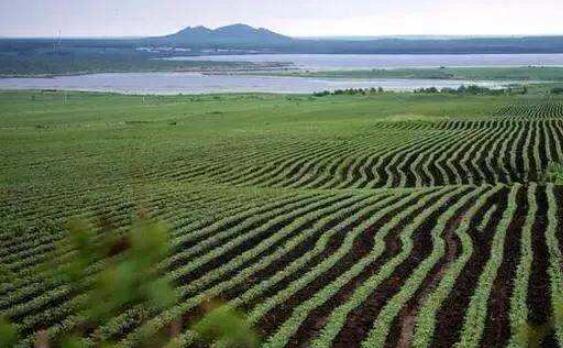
[190, 83]
[389, 61]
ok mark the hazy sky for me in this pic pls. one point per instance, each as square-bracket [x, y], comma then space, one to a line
[291, 17]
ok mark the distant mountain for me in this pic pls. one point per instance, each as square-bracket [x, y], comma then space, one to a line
[243, 38]
[236, 34]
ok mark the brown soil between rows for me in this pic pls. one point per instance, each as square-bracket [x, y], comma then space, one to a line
[497, 324]
[452, 313]
[538, 301]
[282, 312]
[360, 320]
[317, 318]
[403, 326]
[286, 259]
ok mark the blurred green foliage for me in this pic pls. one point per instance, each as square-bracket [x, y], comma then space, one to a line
[8, 334]
[533, 336]
[227, 326]
[129, 277]
[129, 280]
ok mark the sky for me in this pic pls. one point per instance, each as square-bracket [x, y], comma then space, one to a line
[117, 18]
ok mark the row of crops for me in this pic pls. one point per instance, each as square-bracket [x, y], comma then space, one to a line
[459, 152]
[547, 109]
[457, 265]
[425, 233]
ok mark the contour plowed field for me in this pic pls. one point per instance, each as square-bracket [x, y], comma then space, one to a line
[438, 233]
[446, 153]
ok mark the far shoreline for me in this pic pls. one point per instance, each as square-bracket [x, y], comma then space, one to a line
[409, 73]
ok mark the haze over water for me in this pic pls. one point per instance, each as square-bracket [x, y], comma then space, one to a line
[388, 61]
[189, 83]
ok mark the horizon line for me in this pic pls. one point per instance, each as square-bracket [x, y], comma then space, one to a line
[356, 37]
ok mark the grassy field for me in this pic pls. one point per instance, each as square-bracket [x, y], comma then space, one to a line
[385, 220]
[531, 73]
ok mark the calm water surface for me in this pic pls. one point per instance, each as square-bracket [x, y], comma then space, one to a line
[389, 61]
[190, 83]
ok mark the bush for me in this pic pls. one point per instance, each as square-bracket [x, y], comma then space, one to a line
[465, 90]
[350, 91]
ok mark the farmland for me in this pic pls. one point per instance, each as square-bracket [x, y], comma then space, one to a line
[384, 220]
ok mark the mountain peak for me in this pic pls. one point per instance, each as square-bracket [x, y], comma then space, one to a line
[234, 34]
[236, 26]
[198, 29]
